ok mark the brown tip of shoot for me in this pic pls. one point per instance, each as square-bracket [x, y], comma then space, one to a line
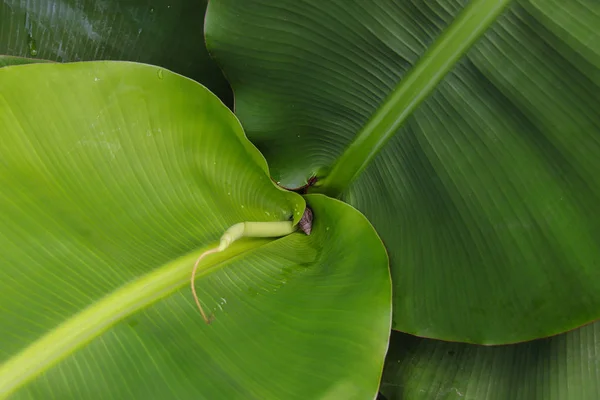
[305, 223]
[210, 318]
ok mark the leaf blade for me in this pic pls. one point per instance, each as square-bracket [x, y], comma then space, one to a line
[486, 198]
[96, 240]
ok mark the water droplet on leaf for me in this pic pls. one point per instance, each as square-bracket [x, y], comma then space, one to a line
[30, 40]
[160, 74]
[32, 45]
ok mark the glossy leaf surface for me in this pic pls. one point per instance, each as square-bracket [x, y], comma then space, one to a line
[558, 368]
[115, 177]
[487, 196]
[168, 33]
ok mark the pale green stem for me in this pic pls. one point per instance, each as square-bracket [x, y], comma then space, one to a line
[235, 232]
[83, 327]
[433, 66]
[255, 229]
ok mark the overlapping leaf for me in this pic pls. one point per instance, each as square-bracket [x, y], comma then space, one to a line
[562, 367]
[115, 176]
[168, 33]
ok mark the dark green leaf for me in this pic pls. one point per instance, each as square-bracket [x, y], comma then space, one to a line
[168, 33]
[487, 197]
[559, 368]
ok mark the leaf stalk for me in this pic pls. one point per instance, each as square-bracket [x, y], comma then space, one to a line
[235, 232]
[418, 84]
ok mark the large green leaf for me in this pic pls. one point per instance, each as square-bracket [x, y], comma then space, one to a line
[487, 195]
[168, 33]
[115, 176]
[560, 368]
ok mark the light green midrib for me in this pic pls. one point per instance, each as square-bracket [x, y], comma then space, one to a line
[419, 83]
[83, 327]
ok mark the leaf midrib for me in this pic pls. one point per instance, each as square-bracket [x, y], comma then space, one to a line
[100, 316]
[418, 84]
